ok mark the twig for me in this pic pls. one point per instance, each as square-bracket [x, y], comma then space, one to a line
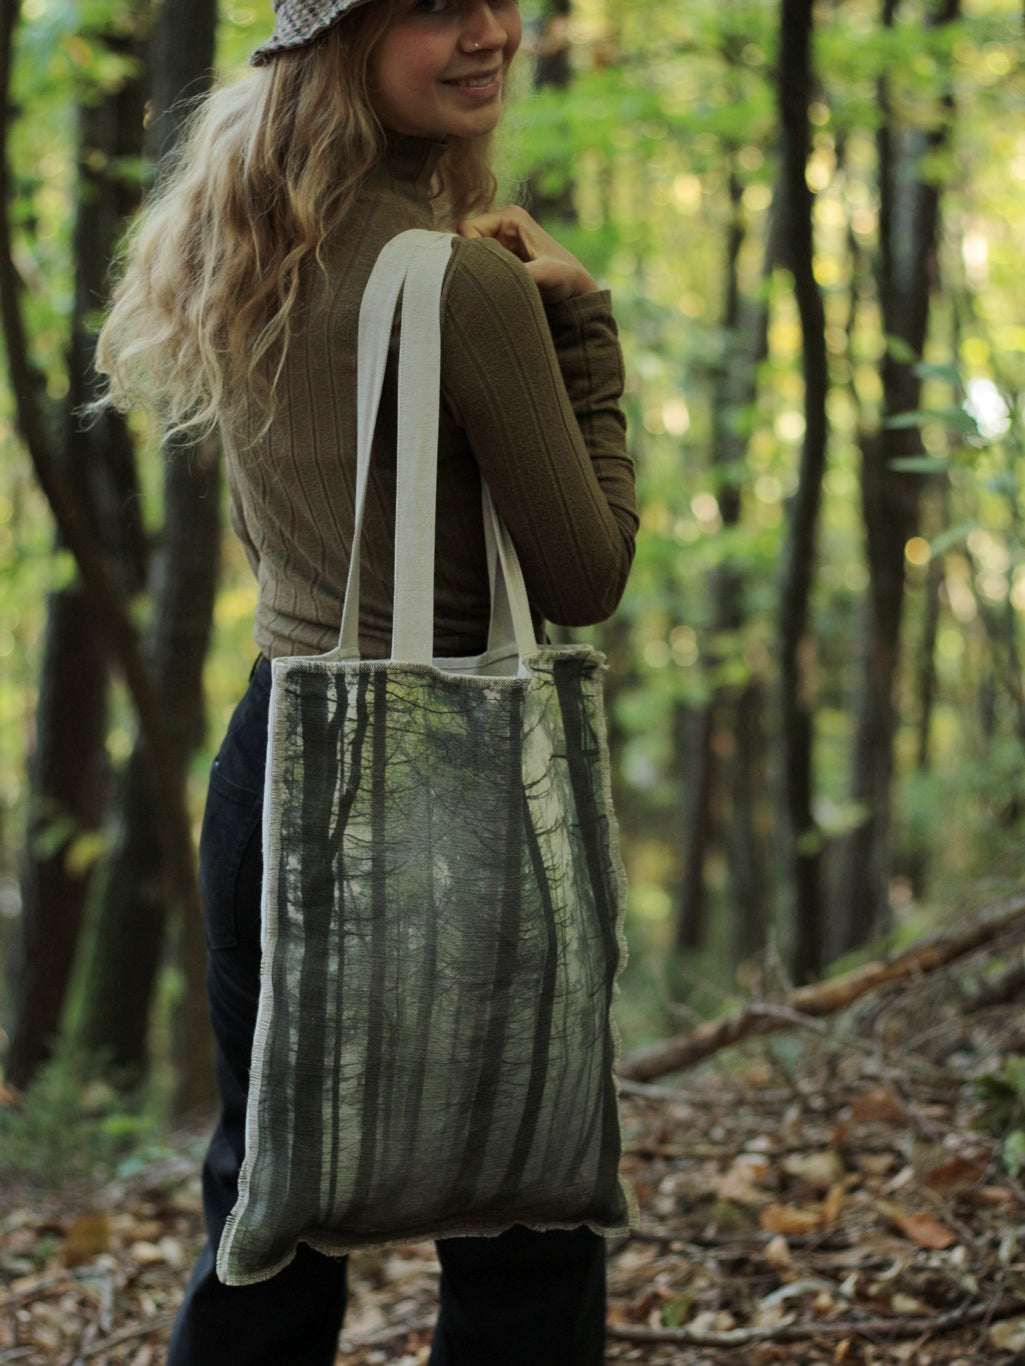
[645, 1092]
[37, 1291]
[138, 1330]
[43, 1287]
[786, 1015]
[821, 998]
[789, 1331]
[709, 1097]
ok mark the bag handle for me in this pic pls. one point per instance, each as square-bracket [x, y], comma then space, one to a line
[414, 264]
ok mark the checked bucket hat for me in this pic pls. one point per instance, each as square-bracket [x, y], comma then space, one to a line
[298, 23]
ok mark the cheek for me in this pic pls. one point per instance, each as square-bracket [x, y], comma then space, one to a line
[392, 64]
[513, 26]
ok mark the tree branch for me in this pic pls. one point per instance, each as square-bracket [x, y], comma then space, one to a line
[810, 1002]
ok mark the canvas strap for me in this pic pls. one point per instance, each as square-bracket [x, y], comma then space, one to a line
[413, 264]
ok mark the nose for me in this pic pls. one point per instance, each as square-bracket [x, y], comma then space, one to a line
[482, 31]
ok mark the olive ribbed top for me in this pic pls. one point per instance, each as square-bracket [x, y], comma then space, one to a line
[530, 400]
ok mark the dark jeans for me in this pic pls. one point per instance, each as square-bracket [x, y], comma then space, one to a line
[521, 1299]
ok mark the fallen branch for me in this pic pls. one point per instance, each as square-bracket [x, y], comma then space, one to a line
[806, 1004]
[788, 1331]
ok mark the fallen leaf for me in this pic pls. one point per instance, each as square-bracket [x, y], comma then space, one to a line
[875, 1164]
[770, 1315]
[677, 1312]
[174, 1251]
[790, 1219]
[759, 1074]
[908, 1304]
[875, 1104]
[639, 1310]
[1008, 1335]
[738, 1184]
[996, 1195]
[140, 1230]
[919, 1225]
[819, 1170]
[833, 1204]
[777, 1252]
[712, 1321]
[86, 1239]
[955, 1175]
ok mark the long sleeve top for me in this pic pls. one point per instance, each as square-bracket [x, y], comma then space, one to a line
[529, 401]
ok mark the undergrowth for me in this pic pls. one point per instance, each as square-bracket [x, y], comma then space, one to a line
[71, 1127]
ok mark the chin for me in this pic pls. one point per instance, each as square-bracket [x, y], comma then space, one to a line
[478, 128]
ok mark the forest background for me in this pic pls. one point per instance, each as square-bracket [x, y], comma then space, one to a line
[810, 217]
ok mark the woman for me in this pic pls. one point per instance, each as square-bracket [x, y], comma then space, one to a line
[238, 308]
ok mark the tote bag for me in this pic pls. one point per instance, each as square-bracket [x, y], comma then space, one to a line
[443, 897]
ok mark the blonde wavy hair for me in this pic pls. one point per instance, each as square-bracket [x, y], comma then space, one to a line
[202, 314]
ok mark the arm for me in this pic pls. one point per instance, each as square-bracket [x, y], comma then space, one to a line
[537, 394]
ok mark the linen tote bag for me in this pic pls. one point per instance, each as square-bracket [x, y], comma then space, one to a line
[442, 901]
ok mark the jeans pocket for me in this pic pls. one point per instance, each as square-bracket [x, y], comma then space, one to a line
[230, 863]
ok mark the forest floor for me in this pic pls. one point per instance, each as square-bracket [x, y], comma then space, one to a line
[835, 1195]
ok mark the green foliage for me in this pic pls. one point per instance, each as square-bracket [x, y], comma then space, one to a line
[73, 1129]
[651, 135]
[1002, 1095]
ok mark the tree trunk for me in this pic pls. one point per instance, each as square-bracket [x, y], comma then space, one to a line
[68, 780]
[746, 845]
[693, 729]
[134, 916]
[803, 836]
[927, 679]
[908, 232]
[745, 327]
[68, 773]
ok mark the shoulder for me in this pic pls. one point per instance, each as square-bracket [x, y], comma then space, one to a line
[484, 278]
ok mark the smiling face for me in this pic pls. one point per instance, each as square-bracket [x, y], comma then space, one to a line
[440, 68]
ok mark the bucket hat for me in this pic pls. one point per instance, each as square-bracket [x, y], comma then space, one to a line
[298, 23]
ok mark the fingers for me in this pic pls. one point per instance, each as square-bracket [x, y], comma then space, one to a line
[509, 219]
[556, 272]
[512, 226]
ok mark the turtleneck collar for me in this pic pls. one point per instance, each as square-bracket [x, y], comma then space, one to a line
[407, 165]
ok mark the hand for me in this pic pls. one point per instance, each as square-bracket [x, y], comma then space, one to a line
[556, 272]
